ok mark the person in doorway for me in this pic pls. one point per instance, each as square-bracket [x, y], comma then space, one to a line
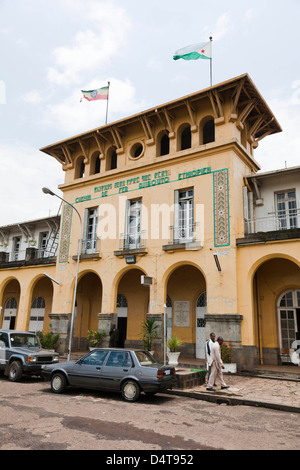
[208, 346]
[216, 366]
[114, 337]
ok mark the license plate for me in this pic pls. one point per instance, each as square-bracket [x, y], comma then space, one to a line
[167, 372]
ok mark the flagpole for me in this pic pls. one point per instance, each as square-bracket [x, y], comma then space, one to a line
[210, 60]
[107, 103]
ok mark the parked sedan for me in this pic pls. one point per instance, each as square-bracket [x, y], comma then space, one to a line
[125, 370]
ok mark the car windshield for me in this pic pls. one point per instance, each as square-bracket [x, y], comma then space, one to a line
[19, 340]
[144, 358]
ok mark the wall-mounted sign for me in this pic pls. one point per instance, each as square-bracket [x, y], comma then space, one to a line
[131, 259]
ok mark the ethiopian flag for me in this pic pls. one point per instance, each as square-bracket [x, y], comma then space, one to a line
[98, 94]
[194, 52]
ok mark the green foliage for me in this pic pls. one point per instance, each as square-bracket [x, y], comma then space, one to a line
[95, 338]
[148, 333]
[48, 340]
[174, 343]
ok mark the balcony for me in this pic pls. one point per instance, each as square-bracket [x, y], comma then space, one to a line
[89, 248]
[132, 243]
[279, 226]
[29, 257]
[184, 237]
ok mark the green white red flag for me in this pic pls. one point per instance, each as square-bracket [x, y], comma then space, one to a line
[194, 52]
[95, 95]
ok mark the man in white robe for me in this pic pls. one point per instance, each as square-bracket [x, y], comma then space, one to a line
[216, 366]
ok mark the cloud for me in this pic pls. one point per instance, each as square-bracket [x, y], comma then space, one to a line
[74, 117]
[93, 47]
[32, 97]
[222, 26]
[26, 170]
[274, 151]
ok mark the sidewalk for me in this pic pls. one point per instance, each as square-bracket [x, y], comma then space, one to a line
[278, 393]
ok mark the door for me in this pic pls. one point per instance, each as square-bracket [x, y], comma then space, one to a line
[200, 325]
[289, 321]
[121, 310]
[87, 371]
[10, 312]
[117, 367]
[37, 314]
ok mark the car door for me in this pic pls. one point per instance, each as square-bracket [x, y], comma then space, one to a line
[116, 368]
[87, 371]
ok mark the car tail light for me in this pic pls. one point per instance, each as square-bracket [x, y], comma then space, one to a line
[174, 371]
[160, 374]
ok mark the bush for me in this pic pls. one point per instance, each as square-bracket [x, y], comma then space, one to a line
[95, 338]
[48, 340]
[227, 352]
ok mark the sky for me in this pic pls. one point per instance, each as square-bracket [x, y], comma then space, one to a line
[50, 50]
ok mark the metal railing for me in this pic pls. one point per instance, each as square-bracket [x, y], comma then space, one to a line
[280, 221]
[89, 245]
[25, 255]
[132, 241]
[184, 234]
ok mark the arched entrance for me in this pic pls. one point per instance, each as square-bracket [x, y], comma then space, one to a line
[132, 307]
[88, 305]
[10, 303]
[186, 307]
[41, 305]
[276, 309]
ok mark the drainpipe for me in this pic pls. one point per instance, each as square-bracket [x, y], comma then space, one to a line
[258, 322]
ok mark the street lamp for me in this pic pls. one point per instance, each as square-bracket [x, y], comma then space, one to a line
[48, 191]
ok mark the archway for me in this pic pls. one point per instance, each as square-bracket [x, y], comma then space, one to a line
[41, 305]
[10, 304]
[276, 304]
[88, 305]
[185, 291]
[135, 302]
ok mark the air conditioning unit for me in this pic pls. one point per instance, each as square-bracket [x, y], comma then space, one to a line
[146, 280]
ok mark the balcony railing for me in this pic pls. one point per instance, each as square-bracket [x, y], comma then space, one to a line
[89, 246]
[186, 234]
[280, 221]
[28, 255]
[132, 241]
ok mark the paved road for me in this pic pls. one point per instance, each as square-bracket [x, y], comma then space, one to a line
[32, 417]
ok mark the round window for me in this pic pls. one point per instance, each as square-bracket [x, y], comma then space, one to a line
[136, 150]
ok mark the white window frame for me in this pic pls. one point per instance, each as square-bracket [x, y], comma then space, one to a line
[89, 243]
[184, 215]
[286, 216]
[133, 228]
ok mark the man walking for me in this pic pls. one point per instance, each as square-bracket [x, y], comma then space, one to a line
[209, 344]
[216, 366]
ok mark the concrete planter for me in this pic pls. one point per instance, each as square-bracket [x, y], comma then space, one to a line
[173, 358]
[229, 368]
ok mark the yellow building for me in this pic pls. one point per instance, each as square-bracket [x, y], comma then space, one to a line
[169, 202]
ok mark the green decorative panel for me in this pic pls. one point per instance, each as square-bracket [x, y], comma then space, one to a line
[65, 233]
[221, 208]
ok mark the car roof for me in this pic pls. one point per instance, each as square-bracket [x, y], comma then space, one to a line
[17, 331]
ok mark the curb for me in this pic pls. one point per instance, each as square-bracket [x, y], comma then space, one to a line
[233, 401]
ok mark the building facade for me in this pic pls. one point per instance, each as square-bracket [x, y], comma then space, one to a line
[173, 222]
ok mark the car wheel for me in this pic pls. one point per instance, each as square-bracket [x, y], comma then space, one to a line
[58, 382]
[130, 390]
[15, 371]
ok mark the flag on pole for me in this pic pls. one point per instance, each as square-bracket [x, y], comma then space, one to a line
[94, 95]
[194, 52]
